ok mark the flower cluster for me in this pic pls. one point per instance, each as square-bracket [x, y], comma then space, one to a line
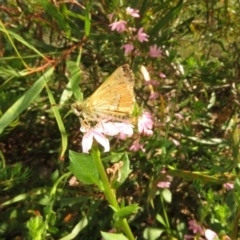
[131, 46]
[145, 126]
[122, 26]
[120, 129]
[197, 229]
[165, 183]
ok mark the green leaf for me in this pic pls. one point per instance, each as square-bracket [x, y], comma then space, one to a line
[37, 228]
[77, 229]
[10, 72]
[166, 19]
[55, 14]
[167, 195]
[152, 233]
[211, 141]
[83, 167]
[144, 7]
[125, 211]
[59, 122]
[111, 236]
[13, 35]
[161, 220]
[114, 157]
[87, 20]
[212, 100]
[124, 172]
[23, 102]
[73, 84]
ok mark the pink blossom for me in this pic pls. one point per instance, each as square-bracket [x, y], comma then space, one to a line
[195, 227]
[126, 131]
[151, 82]
[167, 180]
[104, 128]
[163, 184]
[153, 96]
[145, 124]
[155, 52]
[127, 48]
[179, 116]
[115, 128]
[133, 12]
[228, 186]
[136, 146]
[162, 75]
[142, 37]
[119, 26]
[110, 16]
[87, 140]
[210, 235]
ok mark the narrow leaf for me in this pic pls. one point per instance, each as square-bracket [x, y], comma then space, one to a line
[59, 122]
[23, 102]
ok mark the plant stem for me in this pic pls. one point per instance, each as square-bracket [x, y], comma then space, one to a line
[108, 191]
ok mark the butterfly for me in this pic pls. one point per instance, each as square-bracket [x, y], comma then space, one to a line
[114, 99]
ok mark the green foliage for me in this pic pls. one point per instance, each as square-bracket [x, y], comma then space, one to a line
[53, 53]
[12, 176]
[109, 236]
[86, 172]
[36, 228]
[125, 212]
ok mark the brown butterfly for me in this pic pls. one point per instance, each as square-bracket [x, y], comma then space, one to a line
[114, 99]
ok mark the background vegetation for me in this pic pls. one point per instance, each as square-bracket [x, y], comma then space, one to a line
[48, 49]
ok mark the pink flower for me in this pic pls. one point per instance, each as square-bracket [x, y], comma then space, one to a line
[167, 180]
[104, 128]
[152, 82]
[210, 235]
[136, 146]
[119, 26]
[142, 36]
[132, 12]
[195, 227]
[127, 48]
[145, 124]
[153, 96]
[87, 140]
[115, 128]
[162, 75]
[179, 116]
[163, 184]
[228, 186]
[155, 52]
[110, 16]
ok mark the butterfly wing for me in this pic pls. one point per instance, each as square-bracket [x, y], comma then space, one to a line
[114, 98]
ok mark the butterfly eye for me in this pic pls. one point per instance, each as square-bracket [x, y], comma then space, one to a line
[77, 109]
